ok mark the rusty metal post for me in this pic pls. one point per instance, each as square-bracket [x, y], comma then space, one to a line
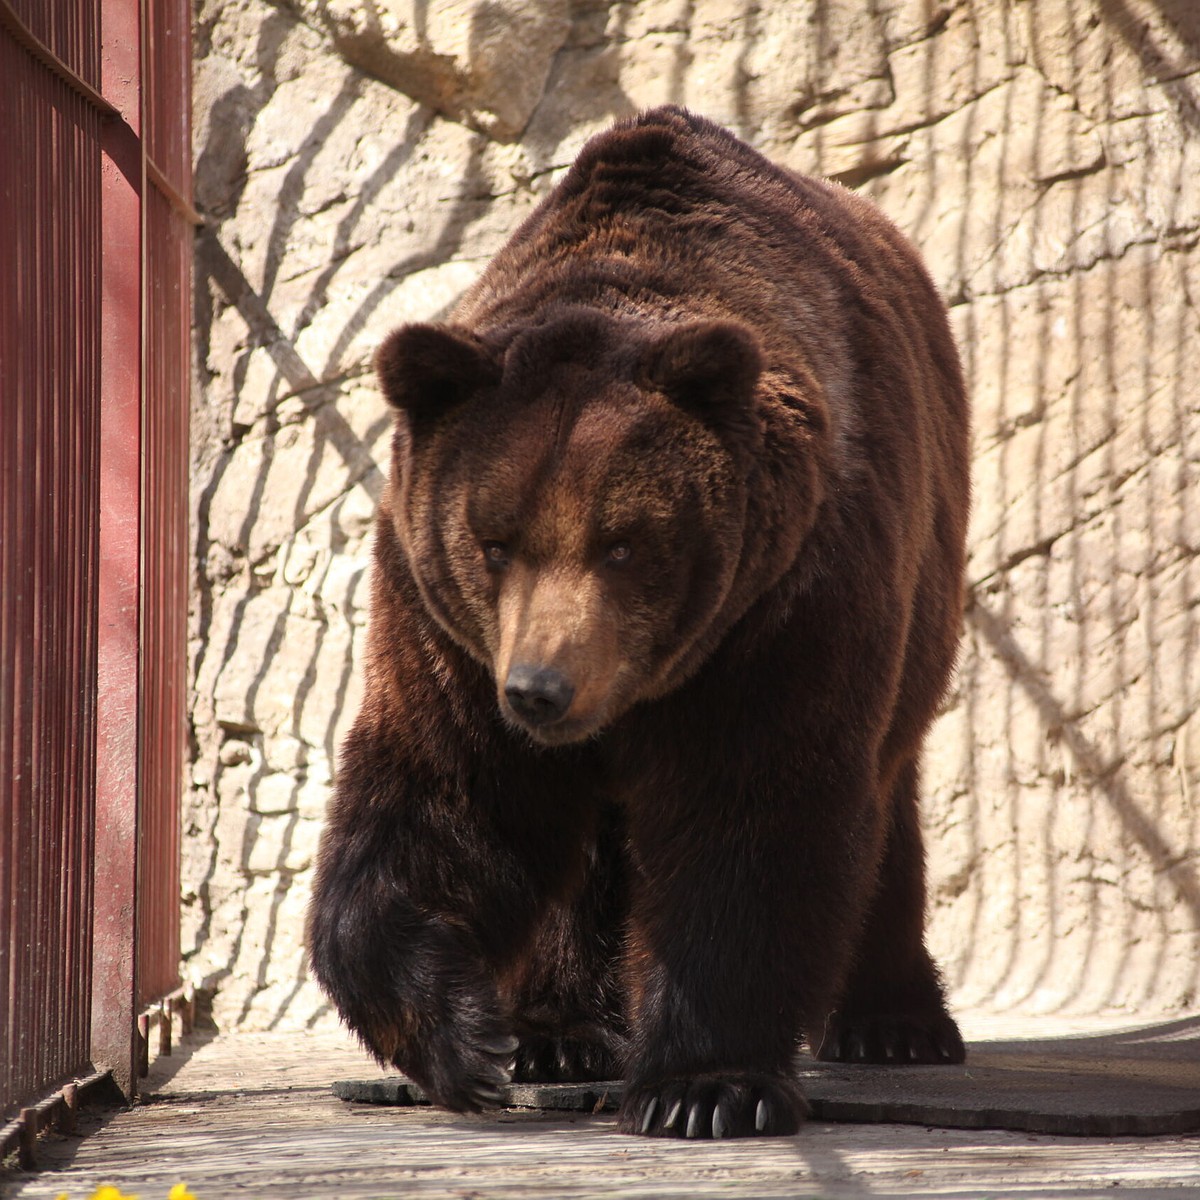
[187, 1011]
[27, 1155]
[68, 1110]
[164, 1029]
[142, 1051]
[114, 981]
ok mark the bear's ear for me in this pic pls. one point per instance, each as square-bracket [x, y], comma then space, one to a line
[709, 368]
[425, 369]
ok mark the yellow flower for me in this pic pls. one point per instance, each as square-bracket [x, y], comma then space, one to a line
[108, 1192]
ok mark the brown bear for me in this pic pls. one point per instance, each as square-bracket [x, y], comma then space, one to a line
[667, 589]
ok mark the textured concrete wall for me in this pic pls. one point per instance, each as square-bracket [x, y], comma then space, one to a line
[358, 163]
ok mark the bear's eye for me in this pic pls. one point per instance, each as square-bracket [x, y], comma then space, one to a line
[619, 553]
[495, 555]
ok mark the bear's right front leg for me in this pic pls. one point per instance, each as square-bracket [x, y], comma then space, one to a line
[423, 890]
[716, 996]
[745, 898]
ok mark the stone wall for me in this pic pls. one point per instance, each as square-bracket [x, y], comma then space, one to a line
[358, 163]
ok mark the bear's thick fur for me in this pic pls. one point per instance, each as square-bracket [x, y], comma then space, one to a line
[667, 590]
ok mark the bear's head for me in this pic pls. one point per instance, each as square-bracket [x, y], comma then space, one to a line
[572, 500]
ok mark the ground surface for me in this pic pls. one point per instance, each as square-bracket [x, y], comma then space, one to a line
[253, 1115]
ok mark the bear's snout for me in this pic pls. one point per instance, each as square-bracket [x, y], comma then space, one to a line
[557, 655]
[538, 695]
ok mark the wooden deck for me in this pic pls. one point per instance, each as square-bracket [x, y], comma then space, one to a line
[252, 1115]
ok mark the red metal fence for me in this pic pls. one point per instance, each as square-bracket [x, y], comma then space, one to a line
[94, 320]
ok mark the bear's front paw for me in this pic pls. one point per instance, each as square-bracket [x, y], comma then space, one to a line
[891, 1039]
[564, 1060]
[715, 1106]
[464, 1069]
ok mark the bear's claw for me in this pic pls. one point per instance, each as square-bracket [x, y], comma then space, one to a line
[564, 1060]
[501, 1045]
[464, 1066]
[716, 1106]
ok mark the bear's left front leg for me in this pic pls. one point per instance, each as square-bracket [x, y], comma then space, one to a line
[428, 887]
[746, 897]
[404, 967]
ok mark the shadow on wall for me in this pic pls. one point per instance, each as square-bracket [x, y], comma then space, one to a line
[1037, 154]
[230, 572]
[1078, 692]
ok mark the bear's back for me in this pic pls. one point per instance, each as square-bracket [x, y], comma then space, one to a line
[668, 217]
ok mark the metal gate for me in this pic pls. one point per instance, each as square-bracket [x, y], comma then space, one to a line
[95, 255]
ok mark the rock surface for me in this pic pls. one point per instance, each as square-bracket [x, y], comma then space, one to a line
[358, 161]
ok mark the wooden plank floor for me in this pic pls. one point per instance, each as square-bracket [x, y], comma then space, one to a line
[251, 1115]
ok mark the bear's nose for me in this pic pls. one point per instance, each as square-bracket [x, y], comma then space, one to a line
[538, 695]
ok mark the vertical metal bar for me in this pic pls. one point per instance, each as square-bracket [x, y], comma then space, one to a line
[75, 798]
[9, 99]
[11, 565]
[35, 792]
[56, 789]
[165, 578]
[114, 972]
[150, 401]
[9, 383]
[94, 285]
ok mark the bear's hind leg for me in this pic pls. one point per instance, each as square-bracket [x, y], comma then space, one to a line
[568, 1003]
[893, 1009]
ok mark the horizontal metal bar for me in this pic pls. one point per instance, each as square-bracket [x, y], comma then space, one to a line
[25, 37]
[163, 184]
